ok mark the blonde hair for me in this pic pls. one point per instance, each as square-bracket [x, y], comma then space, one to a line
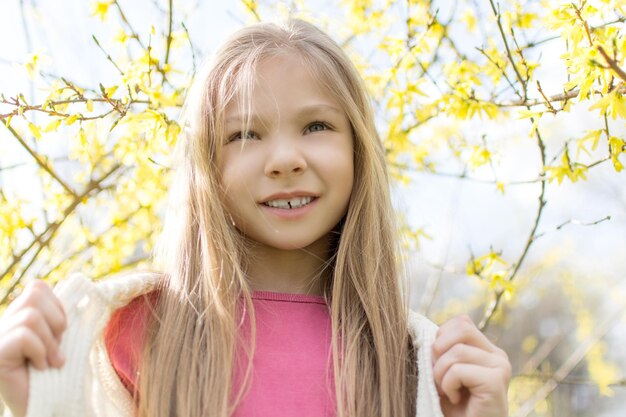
[187, 365]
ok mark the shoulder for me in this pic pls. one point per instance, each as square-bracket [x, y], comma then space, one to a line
[125, 334]
[134, 314]
[113, 292]
[120, 290]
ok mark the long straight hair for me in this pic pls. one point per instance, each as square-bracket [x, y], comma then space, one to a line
[188, 359]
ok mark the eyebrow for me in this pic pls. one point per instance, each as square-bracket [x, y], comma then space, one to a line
[301, 112]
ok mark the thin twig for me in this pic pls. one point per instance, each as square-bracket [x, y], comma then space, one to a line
[91, 243]
[497, 65]
[568, 366]
[570, 380]
[574, 222]
[43, 164]
[193, 52]
[543, 352]
[109, 58]
[555, 98]
[121, 267]
[134, 34]
[44, 237]
[20, 108]
[169, 33]
[22, 164]
[612, 63]
[493, 306]
[533, 44]
[547, 102]
[496, 12]
[465, 176]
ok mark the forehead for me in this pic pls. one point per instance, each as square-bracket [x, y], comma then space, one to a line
[286, 83]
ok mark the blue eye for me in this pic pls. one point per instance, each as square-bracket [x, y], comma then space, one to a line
[238, 136]
[317, 126]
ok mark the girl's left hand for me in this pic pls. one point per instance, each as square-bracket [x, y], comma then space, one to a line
[471, 373]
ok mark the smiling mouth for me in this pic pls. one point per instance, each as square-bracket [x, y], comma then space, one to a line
[291, 203]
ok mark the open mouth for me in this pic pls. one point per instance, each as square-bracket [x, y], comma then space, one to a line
[291, 203]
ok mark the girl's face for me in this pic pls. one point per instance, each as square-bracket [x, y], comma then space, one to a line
[288, 180]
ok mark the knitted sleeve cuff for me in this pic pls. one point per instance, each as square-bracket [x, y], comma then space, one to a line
[424, 332]
[62, 391]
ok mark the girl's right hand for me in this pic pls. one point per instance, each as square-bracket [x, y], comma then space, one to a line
[30, 332]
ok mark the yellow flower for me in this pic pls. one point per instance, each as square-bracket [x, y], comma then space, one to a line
[100, 9]
[480, 156]
[71, 119]
[172, 132]
[120, 36]
[572, 171]
[469, 19]
[617, 146]
[34, 130]
[592, 136]
[52, 126]
[109, 91]
[159, 99]
[179, 38]
[34, 62]
[498, 281]
[484, 264]
[612, 104]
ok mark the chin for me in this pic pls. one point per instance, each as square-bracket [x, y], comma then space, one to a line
[281, 242]
[289, 245]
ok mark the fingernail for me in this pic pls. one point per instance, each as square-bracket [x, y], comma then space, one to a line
[59, 357]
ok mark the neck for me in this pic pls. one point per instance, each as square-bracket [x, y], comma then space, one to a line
[298, 271]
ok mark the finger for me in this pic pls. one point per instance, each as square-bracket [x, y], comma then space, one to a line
[460, 329]
[478, 380]
[39, 295]
[32, 347]
[461, 353]
[53, 311]
[33, 319]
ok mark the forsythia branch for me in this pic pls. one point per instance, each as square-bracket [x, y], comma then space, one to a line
[612, 63]
[568, 366]
[44, 238]
[43, 164]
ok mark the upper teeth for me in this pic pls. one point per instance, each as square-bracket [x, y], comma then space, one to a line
[291, 203]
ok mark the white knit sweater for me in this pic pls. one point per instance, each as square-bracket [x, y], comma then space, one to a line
[88, 386]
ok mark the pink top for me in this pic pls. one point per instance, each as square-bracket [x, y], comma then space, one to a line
[292, 370]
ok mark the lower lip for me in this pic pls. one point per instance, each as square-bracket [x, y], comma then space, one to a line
[293, 213]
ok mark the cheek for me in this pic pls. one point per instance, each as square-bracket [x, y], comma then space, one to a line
[231, 183]
[343, 170]
[232, 169]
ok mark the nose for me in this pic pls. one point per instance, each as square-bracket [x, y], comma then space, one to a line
[285, 158]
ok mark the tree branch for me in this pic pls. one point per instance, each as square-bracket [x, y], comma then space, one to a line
[168, 41]
[45, 237]
[568, 366]
[41, 162]
[493, 306]
[496, 13]
[612, 63]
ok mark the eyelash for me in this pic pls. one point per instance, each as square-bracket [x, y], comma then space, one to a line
[237, 136]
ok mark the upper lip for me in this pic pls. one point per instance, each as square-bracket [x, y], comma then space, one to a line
[287, 195]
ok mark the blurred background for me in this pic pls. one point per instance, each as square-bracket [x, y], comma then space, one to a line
[504, 124]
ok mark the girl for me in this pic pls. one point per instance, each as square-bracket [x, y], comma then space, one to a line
[279, 294]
